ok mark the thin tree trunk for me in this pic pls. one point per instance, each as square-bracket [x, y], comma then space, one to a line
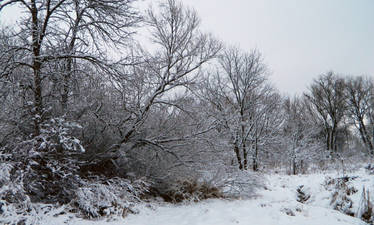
[294, 165]
[245, 157]
[69, 66]
[236, 150]
[328, 139]
[255, 157]
[365, 136]
[333, 138]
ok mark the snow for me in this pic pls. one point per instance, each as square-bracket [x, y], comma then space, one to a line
[270, 207]
[223, 212]
[274, 205]
[260, 212]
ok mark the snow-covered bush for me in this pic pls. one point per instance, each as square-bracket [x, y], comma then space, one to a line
[110, 197]
[56, 135]
[45, 166]
[341, 192]
[5, 172]
[209, 182]
[241, 184]
[14, 201]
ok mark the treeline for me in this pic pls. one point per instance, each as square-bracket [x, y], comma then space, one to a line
[81, 97]
[336, 113]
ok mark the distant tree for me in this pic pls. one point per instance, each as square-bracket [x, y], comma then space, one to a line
[268, 121]
[327, 96]
[300, 134]
[242, 103]
[360, 92]
[14, 92]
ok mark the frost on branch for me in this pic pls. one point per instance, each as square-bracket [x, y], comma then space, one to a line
[56, 135]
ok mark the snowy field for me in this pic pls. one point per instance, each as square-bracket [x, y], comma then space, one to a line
[274, 205]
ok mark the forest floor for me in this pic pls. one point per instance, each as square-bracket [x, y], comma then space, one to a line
[278, 203]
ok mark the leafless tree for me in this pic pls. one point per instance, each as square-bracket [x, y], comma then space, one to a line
[300, 135]
[267, 125]
[65, 30]
[359, 93]
[157, 83]
[242, 103]
[328, 100]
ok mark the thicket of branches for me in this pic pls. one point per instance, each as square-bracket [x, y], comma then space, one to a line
[81, 99]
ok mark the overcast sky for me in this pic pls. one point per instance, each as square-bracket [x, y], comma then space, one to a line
[299, 39]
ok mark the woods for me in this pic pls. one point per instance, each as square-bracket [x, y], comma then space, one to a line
[83, 101]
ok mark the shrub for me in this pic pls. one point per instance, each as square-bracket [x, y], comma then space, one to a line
[45, 167]
[109, 197]
[241, 184]
[14, 201]
[302, 194]
[340, 196]
[188, 190]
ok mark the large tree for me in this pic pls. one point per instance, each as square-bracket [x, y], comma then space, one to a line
[60, 32]
[180, 50]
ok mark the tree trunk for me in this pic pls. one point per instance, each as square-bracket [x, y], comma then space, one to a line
[328, 139]
[238, 157]
[66, 85]
[254, 164]
[245, 157]
[366, 139]
[333, 139]
[293, 166]
[255, 157]
[69, 67]
[38, 99]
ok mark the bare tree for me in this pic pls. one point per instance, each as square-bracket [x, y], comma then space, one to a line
[182, 50]
[267, 121]
[238, 96]
[300, 135]
[70, 23]
[359, 93]
[328, 99]
[92, 25]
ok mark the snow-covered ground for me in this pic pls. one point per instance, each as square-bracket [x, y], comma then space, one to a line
[274, 205]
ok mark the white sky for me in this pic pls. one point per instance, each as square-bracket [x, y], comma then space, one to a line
[299, 39]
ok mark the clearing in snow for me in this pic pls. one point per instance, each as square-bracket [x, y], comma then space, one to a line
[277, 204]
